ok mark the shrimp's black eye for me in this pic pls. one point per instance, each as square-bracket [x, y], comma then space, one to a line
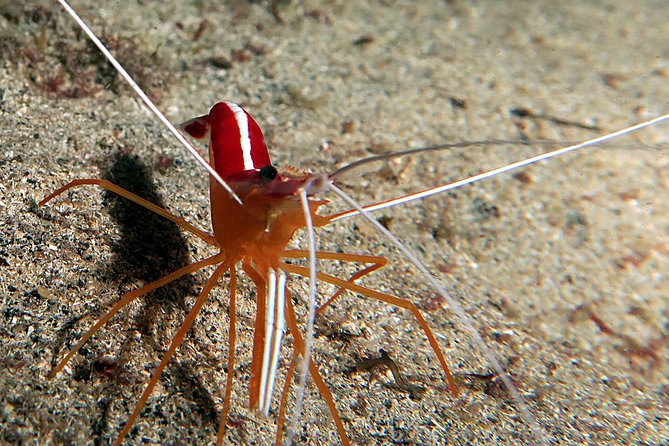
[268, 173]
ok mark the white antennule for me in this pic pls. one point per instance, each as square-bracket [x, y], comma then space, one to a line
[149, 103]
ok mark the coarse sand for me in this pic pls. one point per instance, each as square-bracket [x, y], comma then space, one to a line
[562, 266]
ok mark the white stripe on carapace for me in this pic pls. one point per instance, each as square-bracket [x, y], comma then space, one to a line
[274, 326]
[244, 138]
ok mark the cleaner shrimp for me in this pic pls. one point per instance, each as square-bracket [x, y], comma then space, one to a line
[599, 251]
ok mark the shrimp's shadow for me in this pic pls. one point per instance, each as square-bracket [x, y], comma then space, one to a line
[149, 247]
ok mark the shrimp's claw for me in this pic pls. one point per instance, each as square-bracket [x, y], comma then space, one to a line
[197, 128]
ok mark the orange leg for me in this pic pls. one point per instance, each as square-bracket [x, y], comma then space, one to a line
[183, 224]
[392, 300]
[300, 348]
[232, 339]
[258, 334]
[377, 262]
[131, 296]
[177, 340]
[284, 395]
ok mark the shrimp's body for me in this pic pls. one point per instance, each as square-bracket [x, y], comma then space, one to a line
[254, 233]
[257, 231]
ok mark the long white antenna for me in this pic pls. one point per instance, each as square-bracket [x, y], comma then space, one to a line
[149, 103]
[465, 320]
[311, 317]
[503, 169]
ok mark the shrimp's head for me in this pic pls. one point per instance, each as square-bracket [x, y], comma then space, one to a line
[271, 211]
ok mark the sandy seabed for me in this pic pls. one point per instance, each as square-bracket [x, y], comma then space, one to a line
[562, 267]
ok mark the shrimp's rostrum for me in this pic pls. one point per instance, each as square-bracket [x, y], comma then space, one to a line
[562, 265]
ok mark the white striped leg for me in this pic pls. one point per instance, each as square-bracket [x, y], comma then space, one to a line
[274, 327]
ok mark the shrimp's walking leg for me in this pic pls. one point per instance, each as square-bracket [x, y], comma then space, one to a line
[377, 262]
[232, 339]
[300, 348]
[108, 185]
[259, 334]
[268, 335]
[286, 388]
[176, 342]
[392, 300]
[131, 296]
